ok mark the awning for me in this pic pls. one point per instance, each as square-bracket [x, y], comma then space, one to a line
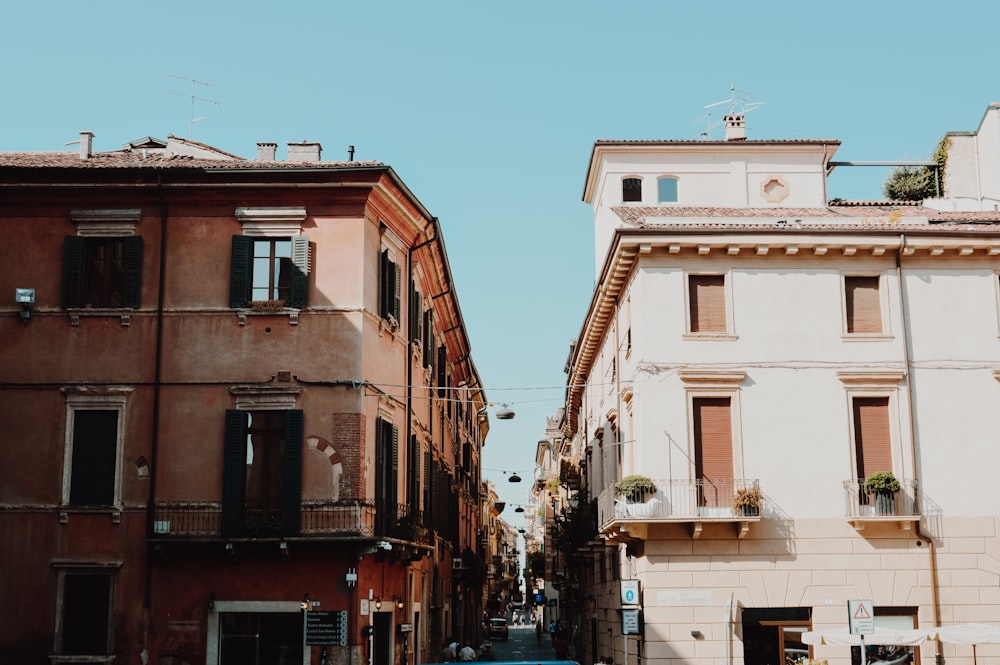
[882, 636]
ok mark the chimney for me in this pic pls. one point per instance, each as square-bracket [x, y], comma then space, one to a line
[266, 152]
[86, 145]
[736, 127]
[304, 152]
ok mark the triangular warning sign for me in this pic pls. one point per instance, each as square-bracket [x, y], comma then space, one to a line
[862, 612]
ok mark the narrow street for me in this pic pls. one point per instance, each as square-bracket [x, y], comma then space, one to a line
[523, 645]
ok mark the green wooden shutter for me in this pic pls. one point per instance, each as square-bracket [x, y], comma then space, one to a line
[291, 517]
[384, 284]
[239, 275]
[72, 285]
[394, 475]
[234, 451]
[416, 314]
[442, 370]
[397, 287]
[133, 271]
[298, 295]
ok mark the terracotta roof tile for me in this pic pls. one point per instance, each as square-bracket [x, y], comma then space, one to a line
[127, 159]
[792, 218]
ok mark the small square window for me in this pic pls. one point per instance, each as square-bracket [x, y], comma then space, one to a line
[707, 303]
[862, 305]
[666, 190]
[631, 190]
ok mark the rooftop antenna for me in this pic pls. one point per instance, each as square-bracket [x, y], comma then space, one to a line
[194, 98]
[739, 102]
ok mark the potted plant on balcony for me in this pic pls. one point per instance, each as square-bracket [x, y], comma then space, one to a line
[883, 485]
[747, 501]
[634, 488]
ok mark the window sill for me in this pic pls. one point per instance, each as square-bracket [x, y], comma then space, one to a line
[114, 511]
[81, 659]
[710, 337]
[866, 337]
[292, 314]
[75, 313]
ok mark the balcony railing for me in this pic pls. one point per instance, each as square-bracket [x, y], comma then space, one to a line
[194, 520]
[861, 505]
[677, 501]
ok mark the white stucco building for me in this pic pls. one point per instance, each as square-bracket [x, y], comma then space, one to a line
[743, 334]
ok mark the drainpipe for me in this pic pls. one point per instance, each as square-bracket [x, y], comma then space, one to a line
[154, 444]
[931, 551]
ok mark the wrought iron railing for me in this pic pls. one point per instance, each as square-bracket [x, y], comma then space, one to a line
[861, 504]
[203, 519]
[678, 500]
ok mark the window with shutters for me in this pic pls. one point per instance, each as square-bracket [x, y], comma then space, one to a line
[270, 260]
[416, 316]
[389, 288]
[84, 620]
[262, 473]
[862, 304]
[872, 438]
[102, 263]
[707, 305]
[269, 270]
[386, 476]
[102, 273]
[94, 439]
[631, 190]
[713, 450]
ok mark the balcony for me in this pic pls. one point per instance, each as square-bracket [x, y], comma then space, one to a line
[899, 508]
[694, 502]
[319, 520]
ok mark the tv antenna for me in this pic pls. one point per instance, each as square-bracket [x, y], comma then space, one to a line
[193, 98]
[738, 101]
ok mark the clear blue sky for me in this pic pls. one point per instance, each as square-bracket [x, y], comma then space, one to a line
[488, 111]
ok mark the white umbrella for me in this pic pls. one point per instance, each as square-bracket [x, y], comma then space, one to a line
[881, 636]
[967, 633]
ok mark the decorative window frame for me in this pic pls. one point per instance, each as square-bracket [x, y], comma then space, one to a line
[71, 567]
[106, 223]
[265, 398]
[271, 222]
[276, 222]
[728, 334]
[883, 303]
[875, 384]
[714, 383]
[93, 398]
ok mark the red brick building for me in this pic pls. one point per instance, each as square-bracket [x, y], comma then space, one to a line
[234, 390]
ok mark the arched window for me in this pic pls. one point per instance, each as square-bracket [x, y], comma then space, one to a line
[666, 190]
[631, 189]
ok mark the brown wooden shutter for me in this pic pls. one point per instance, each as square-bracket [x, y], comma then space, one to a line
[864, 312]
[872, 438]
[713, 454]
[708, 303]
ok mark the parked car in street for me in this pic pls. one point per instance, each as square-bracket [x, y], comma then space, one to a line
[497, 629]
